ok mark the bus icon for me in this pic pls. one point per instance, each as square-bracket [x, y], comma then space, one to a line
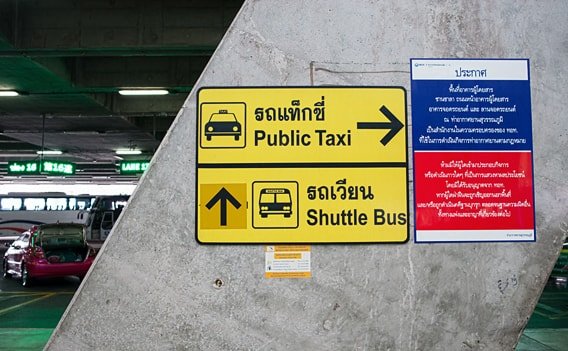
[275, 201]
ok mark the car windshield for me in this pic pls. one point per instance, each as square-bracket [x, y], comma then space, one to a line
[223, 117]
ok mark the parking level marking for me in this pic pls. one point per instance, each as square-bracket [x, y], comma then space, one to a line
[6, 297]
[15, 307]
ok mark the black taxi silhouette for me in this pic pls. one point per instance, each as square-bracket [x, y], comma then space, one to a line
[223, 123]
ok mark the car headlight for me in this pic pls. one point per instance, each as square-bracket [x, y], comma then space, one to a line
[264, 208]
[286, 208]
[235, 129]
[210, 128]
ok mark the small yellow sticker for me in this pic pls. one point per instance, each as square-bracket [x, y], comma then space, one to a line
[288, 261]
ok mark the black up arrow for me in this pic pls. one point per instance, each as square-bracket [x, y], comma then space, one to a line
[223, 195]
[394, 125]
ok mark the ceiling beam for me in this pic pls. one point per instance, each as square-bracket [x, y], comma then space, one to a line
[75, 28]
[105, 52]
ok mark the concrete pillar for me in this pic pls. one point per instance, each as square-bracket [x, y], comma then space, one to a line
[154, 287]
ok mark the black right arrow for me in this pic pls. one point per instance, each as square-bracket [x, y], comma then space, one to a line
[394, 125]
[223, 195]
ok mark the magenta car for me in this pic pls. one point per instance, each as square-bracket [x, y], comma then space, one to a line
[48, 250]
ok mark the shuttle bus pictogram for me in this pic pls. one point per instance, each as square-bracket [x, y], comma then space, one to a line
[275, 201]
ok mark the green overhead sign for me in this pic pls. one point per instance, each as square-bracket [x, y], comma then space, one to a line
[133, 167]
[57, 168]
[46, 167]
[23, 167]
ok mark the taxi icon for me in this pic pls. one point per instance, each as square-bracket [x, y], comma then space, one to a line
[223, 123]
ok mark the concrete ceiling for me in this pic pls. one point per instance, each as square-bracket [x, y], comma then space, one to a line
[69, 58]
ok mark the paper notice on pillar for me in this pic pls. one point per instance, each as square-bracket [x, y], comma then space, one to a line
[472, 148]
[288, 261]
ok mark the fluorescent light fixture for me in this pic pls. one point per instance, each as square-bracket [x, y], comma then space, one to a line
[143, 92]
[49, 152]
[128, 152]
[8, 93]
[16, 154]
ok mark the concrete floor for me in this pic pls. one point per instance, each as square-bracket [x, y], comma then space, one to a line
[29, 315]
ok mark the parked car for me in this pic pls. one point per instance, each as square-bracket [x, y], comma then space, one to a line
[48, 250]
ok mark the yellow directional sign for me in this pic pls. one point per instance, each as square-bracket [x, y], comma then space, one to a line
[302, 165]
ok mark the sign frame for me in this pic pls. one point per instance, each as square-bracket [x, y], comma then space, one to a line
[405, 198]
